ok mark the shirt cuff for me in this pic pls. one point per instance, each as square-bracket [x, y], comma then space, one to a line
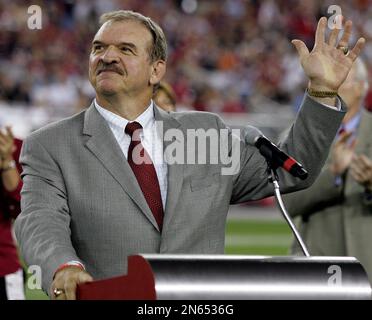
[71, 263]
[75, 263]
[336, 107]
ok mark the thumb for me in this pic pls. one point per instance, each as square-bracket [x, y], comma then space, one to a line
[10, 132]
[84, 277]
[301, 48]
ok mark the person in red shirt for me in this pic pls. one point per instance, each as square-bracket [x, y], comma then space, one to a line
[11, 274]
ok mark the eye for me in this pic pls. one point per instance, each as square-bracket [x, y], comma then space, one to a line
[97, 47]
[126, 49]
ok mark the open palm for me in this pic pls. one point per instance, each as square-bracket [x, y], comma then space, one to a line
[326, 65]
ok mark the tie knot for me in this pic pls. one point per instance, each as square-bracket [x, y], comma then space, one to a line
[132, 127]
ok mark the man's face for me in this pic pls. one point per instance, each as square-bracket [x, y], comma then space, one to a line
[119, 61]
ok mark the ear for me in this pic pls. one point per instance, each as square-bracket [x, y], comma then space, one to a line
[158, 69]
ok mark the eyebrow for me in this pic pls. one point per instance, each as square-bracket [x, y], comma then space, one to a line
[129, 44]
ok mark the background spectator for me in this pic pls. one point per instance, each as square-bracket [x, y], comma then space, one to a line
[11, 274]
[225, 55]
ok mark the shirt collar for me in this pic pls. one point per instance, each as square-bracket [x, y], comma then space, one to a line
[146, 118]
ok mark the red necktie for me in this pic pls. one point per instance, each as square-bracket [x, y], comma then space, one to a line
[144, 170]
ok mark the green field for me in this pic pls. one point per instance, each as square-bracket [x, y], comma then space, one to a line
[248, 237]
[253, 237]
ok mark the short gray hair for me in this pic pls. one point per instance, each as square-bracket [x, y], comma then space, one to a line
[158, 50]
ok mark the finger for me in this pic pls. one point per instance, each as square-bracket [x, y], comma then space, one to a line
[355, 173]
[301, 48]
[70, 289]
[356, 176]
[71, 285]
[353, 54]
[333, 37]
[365, 161]
[320, 31]
[357, 163]
[10, 132]
[344, 41]
[52, 296]
[3, 142]
[60, 297]
[358, 170]
[84, 277]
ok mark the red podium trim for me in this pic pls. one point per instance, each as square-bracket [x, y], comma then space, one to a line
[138, 284]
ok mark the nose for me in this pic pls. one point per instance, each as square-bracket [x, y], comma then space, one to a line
[110, 55]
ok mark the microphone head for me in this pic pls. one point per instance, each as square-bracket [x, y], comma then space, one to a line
[251, 134]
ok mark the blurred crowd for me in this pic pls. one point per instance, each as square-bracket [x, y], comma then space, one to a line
[222, 53]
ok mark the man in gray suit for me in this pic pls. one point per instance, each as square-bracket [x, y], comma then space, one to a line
[86, 204]
[335, 213]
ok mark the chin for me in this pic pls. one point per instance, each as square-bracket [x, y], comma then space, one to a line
[107, 92]
[107, 89]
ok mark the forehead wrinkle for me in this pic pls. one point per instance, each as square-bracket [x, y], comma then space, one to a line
[106, 36]
[119, 44]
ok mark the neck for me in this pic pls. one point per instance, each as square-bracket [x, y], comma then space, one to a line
[126, 108]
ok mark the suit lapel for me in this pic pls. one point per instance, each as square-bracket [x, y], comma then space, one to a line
[102, 143]
[175, 171]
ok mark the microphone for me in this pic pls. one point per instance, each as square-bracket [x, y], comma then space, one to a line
[275, 156]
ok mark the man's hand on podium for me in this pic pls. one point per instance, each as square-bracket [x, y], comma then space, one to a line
[65, 282]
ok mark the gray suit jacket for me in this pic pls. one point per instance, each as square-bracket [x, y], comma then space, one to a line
[81, 201]
[339, 219]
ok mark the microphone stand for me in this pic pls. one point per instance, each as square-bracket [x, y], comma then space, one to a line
[273, 178]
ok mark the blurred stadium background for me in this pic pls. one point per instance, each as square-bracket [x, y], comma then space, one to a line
[232, 57]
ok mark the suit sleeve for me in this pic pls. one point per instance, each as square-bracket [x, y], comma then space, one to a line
[42, 229]
[308, 141]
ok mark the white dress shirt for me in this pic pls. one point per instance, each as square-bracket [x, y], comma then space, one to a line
[150, 140]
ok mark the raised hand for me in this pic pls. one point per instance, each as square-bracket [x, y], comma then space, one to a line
[326, 65]
[361, 170]
[341, 154]
[7, 146]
